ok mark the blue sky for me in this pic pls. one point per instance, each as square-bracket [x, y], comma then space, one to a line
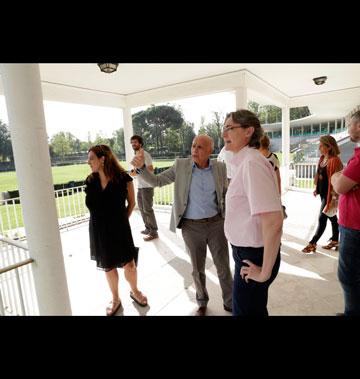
[81, 119]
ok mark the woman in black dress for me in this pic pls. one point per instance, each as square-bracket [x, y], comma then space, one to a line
[108, 188]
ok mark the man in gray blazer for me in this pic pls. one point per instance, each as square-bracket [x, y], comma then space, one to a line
[198, 210]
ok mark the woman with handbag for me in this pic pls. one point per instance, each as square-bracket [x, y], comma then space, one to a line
[329, 163]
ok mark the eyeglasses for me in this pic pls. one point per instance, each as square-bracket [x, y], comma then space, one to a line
[227, 129]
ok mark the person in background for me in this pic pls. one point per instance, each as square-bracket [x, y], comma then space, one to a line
[145, 194]
[108, 189]
[274, 160]
[329, 163]
[347, 184]
[225, 156]
[198, 210]
[253, 219]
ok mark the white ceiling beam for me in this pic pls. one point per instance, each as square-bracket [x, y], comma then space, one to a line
[191, 88]
[263, 92]
[72, 94]
[69, 94]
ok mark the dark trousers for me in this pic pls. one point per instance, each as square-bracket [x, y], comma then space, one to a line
[197, 237]
[145, 203]
[322, 225]
[250, 299]
[349, 269]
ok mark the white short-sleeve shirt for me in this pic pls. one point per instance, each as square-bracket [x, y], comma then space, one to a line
[141, 183]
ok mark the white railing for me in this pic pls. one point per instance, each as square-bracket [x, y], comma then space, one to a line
[70, 205]
[71, 209]
[17, 290]
[11, 220]
[164, 196]
[302, 175]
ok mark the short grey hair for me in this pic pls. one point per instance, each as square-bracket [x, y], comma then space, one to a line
[212, 144]
[356, 117]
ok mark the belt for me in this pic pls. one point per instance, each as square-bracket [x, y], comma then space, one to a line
[202, 220]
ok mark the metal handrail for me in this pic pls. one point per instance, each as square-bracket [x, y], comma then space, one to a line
[13, 286]
[16, 265]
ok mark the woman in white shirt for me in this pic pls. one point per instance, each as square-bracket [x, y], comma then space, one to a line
[253, 218]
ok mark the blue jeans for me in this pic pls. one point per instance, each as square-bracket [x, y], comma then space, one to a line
[250, 299]
[349, 269]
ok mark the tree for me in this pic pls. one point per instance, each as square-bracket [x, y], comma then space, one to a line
[152, 124]
[299, 112]
[119, 143]
[253, 107]
[187, 136]
[85, 146]
[6, 152]
[172, 140]
[100, 140]
[60, 144]
[269, 114]
[214, 130]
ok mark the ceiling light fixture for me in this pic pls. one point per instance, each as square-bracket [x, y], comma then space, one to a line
[320, 80]
[108, 67]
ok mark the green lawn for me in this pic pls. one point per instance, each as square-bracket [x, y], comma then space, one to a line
[304, 183]
[62, 174]
[71, 205]
[74, 204]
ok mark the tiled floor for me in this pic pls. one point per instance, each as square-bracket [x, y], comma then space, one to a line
[306, 284]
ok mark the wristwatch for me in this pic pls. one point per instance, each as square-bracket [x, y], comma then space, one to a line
[140, 170]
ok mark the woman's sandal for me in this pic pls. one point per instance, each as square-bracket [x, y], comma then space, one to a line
[310, 248]
[142, 301]
[113, 307]
[332, 244]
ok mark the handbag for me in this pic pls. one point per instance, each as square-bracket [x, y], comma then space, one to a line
[331, 212]
[136, 255]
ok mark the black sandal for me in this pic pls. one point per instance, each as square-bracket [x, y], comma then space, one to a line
[113, 307]
[137, 301]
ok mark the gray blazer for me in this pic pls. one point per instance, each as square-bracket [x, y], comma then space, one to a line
[181, 174]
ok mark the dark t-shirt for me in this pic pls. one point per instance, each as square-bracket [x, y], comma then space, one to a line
[322, 183]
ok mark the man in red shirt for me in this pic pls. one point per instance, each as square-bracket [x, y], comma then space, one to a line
[347, 184]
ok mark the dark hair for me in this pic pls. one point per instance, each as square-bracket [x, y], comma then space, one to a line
[112, 167]
[265, 142]
[138, 138]
[246, 119]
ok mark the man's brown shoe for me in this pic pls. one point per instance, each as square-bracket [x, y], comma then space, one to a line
[201, 311]
[227, 309]
[151, 237]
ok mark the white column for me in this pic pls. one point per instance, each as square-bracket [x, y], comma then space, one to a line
[24, 101]
[128, 133]
[285, 131]
[241, 98]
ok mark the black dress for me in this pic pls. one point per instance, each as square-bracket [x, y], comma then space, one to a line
[111, 242]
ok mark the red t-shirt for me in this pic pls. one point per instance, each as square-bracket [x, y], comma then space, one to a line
[349, 203]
